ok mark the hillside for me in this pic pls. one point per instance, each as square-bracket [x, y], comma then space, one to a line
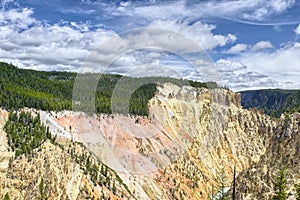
[273, 102]
[52, 168]
[53, 90]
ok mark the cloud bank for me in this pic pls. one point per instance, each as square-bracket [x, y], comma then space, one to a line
[75, 45]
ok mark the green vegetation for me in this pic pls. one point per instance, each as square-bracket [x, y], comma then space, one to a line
[6, 197]
[280, 185]
[223, 195]
[99, 173]
[53, 90]
[297, 186]
[25, 132]
[28, 88]
[274, 102]
[43, 195]
[223, 192]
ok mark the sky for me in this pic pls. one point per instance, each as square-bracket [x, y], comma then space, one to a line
[241, 44]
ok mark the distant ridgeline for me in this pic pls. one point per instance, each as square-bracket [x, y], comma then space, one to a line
[52, 91]
[273, 101]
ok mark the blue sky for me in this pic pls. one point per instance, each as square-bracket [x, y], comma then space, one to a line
[250, 44]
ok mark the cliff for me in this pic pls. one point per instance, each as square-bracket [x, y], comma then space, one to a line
[187, 147]
[62, 170]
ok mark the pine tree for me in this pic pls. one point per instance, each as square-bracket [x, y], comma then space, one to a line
[280, 185]
[297, 186]
[222, 194]
[6, 197]
[234, 183]
[43, 195]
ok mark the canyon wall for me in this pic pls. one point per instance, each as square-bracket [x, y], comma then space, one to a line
[188, 146]
[190, 140]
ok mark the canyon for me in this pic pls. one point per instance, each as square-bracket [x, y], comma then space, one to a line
[186, 148]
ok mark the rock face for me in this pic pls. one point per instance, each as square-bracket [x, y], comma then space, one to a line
[66, 168]
[188, 145]
[4, 153]
[191, 137]
[63, 177]
[282, 151]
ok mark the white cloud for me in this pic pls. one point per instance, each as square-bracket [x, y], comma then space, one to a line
[4, 3]
[224, 66]
[262, 45]
[256, 10]
[245, 48]
[282, 61]
[201, 33]
[30, 43]
[162, 11]
[238, 48]
[297, 30]
[264, 69]
[43, 46]
[78, 11]
[237, 10]
[262, 9]
[68, 45]
[17, 18]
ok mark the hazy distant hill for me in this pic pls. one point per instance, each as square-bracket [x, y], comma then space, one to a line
[273, 101]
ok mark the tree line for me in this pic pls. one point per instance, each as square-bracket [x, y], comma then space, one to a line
[53, 91]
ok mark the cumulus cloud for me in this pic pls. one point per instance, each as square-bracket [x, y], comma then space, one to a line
[199, 32]
[242, 48]
[17, 19]
[26, 40]
[239, 76]
[80, 46]
[263, 9]
[285, 59]
[262, 45]
[238, 48]
[263, 69]
[297, 30]
[155, 47]
[224, 66]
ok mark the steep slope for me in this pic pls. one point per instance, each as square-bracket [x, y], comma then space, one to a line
[64, 170]
[185, 149]
[191, 138]
[274, 102]
[282, 152]
[5, 155]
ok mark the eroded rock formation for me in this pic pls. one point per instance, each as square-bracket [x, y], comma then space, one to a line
[190, 139]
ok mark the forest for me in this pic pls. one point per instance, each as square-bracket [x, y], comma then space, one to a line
[53, 91]
[25, 132]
